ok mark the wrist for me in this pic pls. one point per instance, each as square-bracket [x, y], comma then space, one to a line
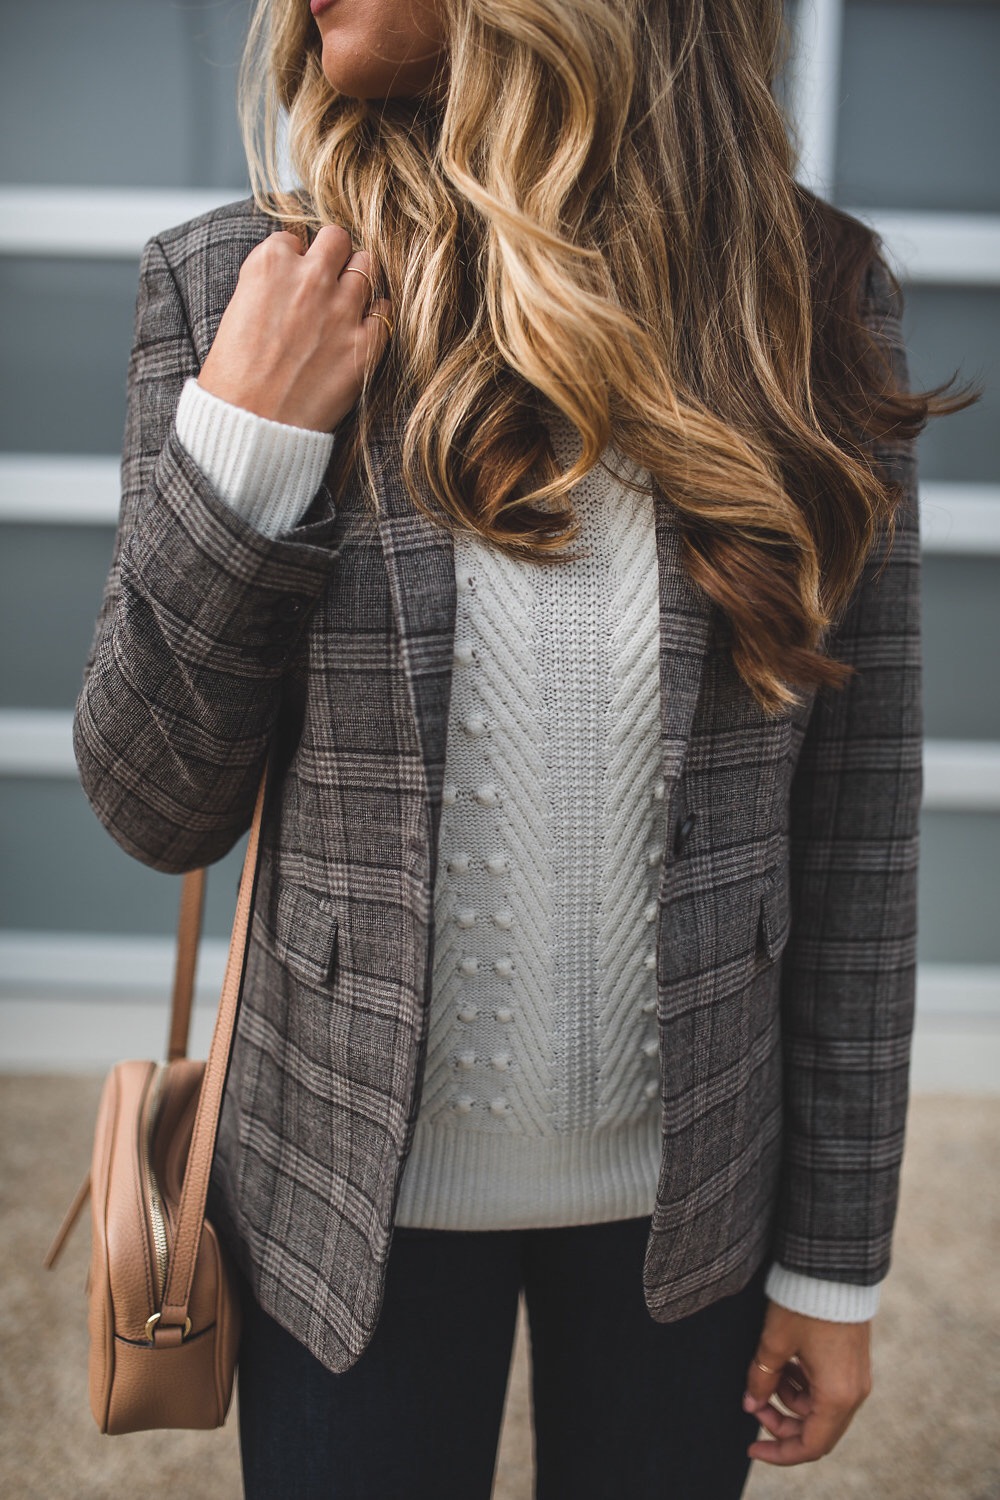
[259, 403]
[816, 1297]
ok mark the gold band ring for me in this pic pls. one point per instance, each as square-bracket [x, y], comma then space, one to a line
[767, 1369]
[385, 320]
[360, 273]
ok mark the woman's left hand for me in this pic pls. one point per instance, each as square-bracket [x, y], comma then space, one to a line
[828, 1381]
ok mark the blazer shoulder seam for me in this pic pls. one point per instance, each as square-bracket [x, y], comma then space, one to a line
[239, 212]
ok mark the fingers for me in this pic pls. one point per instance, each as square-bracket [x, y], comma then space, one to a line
[330, 250]
[819, 1372]
[284, 240]
[812, 1421]
[779, 1424]
[792, 1396]
[332, 253]
[796, 1441]
[358, 278]
[777, 1355]
[793, 1391]
[376, 328]
[379, 315]
[331, 240]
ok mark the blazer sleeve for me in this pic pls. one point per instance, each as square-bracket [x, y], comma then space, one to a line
[849, 968]
[200, 622]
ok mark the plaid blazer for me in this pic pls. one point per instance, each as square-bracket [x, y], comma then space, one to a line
[786, 933]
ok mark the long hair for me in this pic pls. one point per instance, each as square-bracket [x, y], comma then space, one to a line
[593, 211]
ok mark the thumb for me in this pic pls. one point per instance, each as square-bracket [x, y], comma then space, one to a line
[762, 1384]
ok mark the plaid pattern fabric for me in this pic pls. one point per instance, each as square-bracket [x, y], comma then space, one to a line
[786, 926]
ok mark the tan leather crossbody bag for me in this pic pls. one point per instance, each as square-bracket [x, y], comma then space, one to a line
[163, 1304]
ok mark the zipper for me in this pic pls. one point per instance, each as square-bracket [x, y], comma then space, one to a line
[151, 1191]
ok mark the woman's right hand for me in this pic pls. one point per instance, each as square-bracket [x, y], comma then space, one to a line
[293, 343]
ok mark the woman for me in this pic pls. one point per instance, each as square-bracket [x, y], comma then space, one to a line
[583, 953]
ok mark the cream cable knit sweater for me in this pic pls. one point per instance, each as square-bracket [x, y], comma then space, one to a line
[540, 1104]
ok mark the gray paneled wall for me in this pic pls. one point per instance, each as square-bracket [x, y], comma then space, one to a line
[920, 106]
[67, 331]
[121, 93]
[961, 604]
[70, 876]
[951, 328]
[93, 94]
[139, 94]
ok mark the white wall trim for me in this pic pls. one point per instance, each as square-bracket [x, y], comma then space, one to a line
[69, 489]
[102, 965]
[115, 223]
[107, 223]
[950, 248]
[958, 774]
[78, 489]
[109, 966]
[961, 775]
[36, 742]
[814, 76]
[960, 517]
[969, 991]
[70, 1029]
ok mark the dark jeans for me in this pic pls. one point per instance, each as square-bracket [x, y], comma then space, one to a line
[625, 1408]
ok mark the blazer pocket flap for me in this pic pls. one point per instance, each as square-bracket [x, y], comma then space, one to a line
[306, 934]
[775, 912]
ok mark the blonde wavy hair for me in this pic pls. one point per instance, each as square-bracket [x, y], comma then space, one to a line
[592, 211]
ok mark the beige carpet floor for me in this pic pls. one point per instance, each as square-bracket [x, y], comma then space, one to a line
[929, 1431]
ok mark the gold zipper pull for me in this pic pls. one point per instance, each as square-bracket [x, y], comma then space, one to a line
[66, 1227]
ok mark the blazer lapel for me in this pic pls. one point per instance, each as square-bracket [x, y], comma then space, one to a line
[419, 559]
[420, 566]
[686, 614]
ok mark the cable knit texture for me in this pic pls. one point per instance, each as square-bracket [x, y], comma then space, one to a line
[541, 1094]
[540, 1104]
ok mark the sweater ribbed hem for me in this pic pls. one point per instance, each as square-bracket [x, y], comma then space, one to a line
[837, 1301]
[458, 1178]
[267, 471]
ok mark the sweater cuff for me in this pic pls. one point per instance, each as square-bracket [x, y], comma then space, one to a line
[266, 471]
[837, 1301]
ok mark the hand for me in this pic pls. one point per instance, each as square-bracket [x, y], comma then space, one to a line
[823, 1388]
[294, 342]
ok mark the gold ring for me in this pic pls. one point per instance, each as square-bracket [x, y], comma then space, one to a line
[385, 320]
[767, 1369]
[360, 273]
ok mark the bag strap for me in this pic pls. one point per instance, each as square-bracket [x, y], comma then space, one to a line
[192, 906]
[188, 935]
[194, 1190]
